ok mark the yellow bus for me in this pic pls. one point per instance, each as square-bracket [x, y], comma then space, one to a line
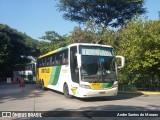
[80, 70]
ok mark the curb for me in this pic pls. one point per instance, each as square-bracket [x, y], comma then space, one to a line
[140, 92]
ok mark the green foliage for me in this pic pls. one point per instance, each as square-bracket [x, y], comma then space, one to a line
[4, 45]
[44, 47]
[81, 36]
[138, 41]
[52, 36]
[140, 44]
[52, 41]
[93, 34]
[15, 48]
[32, 46]
[102, 12]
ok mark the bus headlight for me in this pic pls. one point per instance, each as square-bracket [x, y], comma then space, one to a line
[115, 84]
[85, 86]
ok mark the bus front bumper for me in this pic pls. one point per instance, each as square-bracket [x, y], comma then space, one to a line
[84, 93]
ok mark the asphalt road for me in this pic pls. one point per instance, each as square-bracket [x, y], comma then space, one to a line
[32, 98]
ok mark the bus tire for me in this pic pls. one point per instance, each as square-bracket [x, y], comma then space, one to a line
[42, 85]
[39, 84]
[66, 91]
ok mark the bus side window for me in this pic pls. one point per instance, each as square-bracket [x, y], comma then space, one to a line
[60, 58]
[53, 60]
[57, 59]
[50, 60]
[65, 57]
[47, 61]
[43, 62]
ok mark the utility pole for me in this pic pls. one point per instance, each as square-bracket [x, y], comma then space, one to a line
[159, 14]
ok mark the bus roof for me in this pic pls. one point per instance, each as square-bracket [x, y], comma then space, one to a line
[89, 44]
[54, 51]
[74, 44]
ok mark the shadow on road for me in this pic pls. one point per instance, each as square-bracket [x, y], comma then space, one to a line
[14, 92]
[108, 112]
[120, 96]
[109, 98]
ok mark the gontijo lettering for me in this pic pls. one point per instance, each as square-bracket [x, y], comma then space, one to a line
[45, 70]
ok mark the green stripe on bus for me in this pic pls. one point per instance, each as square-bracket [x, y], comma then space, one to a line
[107, 85]
[55, 75]
[52, 75]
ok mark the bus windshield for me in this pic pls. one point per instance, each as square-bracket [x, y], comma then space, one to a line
[98, 64]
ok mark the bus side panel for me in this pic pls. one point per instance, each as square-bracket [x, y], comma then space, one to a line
[64, 77]
[54, 75]
[60, 75]
[44, 75]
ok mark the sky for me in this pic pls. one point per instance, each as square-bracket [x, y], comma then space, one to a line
[35, 17]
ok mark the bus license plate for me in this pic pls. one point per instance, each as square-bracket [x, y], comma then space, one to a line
[101, 92]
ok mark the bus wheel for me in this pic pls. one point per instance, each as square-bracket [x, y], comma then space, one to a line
[42, 85]
[66, 91]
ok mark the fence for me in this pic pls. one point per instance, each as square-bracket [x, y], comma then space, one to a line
[141, 85]
[3, 80]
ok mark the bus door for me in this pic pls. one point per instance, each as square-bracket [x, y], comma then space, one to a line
[73, 64]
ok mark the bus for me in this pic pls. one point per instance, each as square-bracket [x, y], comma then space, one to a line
[27, 71]
[80, 69]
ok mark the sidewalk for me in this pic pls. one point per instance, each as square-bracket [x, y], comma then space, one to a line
[140, 92]
[6, 88]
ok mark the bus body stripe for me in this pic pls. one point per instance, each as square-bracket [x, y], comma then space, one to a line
[96, 86]
[52, 76]
[55, 75]
[107, 85]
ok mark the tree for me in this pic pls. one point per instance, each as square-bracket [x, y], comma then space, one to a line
[53, 37]
[4, 45]
[15, 49]
[81, 36]
[102, 12]
[139, 42]
[44, 47]
[52, 41]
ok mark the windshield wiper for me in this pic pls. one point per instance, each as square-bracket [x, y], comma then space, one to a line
[100, 69]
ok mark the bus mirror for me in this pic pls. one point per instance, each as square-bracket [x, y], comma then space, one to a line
[122, 61]
[79, 60]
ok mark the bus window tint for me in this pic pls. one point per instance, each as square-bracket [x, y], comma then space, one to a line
[43, 61]
[73, 64]
[50, 60]
[53, 60]
[65, 57]
[56, 59]
[47, 61]
[60, 57]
